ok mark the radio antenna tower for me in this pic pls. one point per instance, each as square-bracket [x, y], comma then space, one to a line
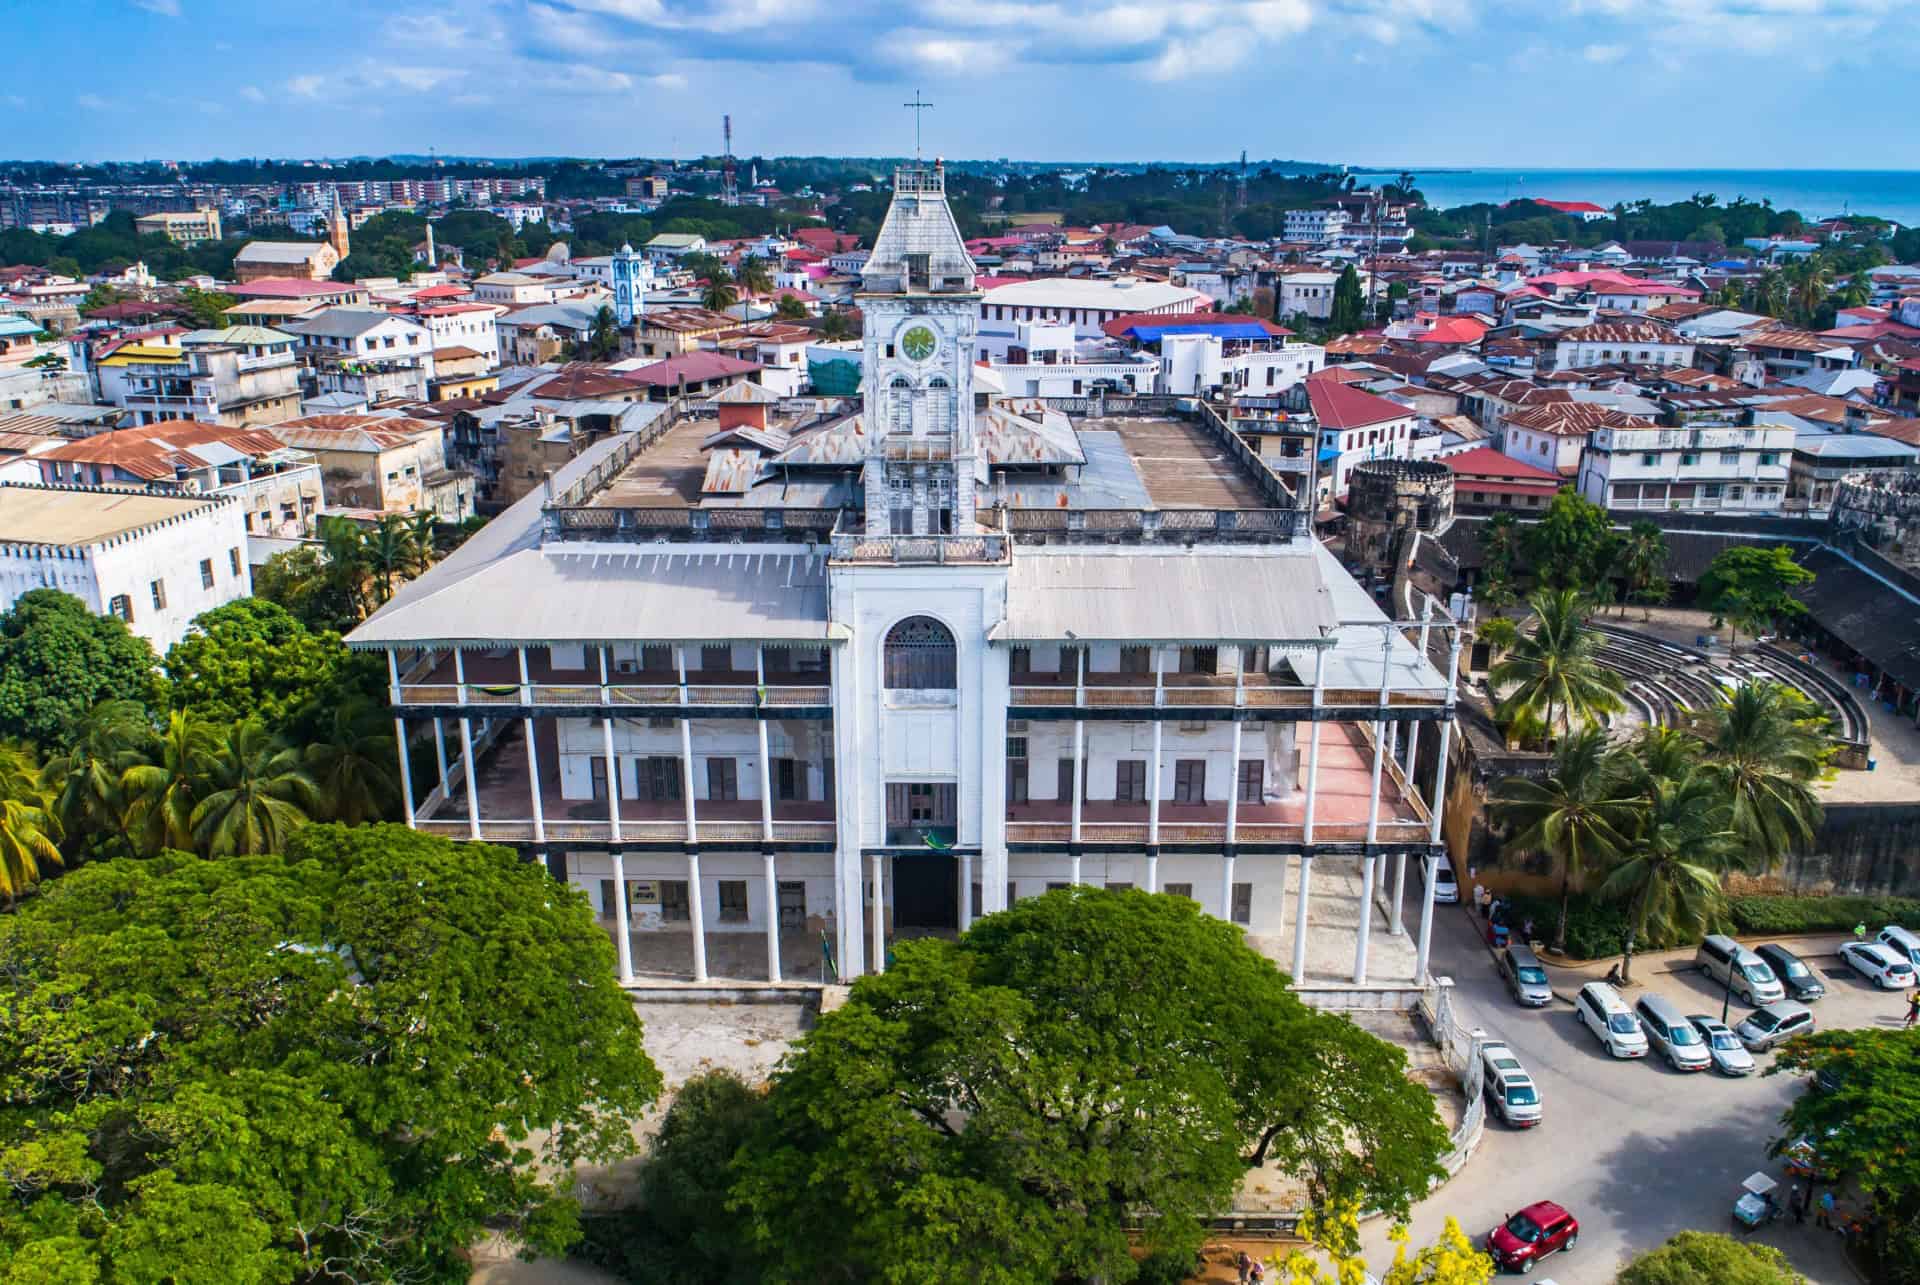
[729, 179]
[1240, 194]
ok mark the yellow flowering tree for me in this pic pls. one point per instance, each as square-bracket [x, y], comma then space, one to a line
[1334, 1236]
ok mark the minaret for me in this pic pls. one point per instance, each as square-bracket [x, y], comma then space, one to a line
[629, 296]
[921, 308]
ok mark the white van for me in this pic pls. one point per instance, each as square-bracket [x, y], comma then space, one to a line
[1672, 1034]
[1599, 1008]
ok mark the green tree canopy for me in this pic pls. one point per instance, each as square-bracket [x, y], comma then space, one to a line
[1693, 1257]
[252, 659]
[1573, 545]
[1349, 305]
[236, 1071]
[1752, 587]
[1004, 1107]
[58, 659]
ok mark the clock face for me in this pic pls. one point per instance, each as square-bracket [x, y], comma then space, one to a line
[918, 343]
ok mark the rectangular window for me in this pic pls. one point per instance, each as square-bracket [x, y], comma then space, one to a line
[1189, 780]
[159, 591]
[1243, 903]
[1729, 457]
[122, 606]
[733, 901]
[233, 559]
[606, 898]
[1063, 781]
[597, 767]
[718, 659]
[723, 779]
[659, 778]
[1130, 781]
[1020, 662]
[1016, 747]
[658, 660]
[1650, 460]
[1687, 458]
[1016, 780]
[793, 903]
[789, 780]
[1178, 890]
[206, 573]
[1136, 660]
[1253, 779]
[1199, 660]
[1768, 459]
[675, 908]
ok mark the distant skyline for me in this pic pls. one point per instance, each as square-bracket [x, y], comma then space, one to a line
[1584, 84]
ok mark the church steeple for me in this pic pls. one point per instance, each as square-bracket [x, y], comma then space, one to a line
[919, 300]
[337, 229]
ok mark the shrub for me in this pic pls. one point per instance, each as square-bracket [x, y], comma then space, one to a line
[1819, 914]
[1595, 928]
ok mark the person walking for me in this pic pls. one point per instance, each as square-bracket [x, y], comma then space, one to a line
[1913, 1008]
[1796, 1201]
[1243, 1265]
[1825, 1217]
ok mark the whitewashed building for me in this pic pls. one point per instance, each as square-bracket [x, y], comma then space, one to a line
[1703, 467]
[825, 681]
[154, 560]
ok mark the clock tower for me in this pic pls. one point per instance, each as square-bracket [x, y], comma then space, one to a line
[918, 298]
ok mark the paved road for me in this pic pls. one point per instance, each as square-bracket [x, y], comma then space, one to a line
[1637, 1151]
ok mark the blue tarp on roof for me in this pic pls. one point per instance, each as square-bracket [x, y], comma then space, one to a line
[1328, 454]
[1149, 333]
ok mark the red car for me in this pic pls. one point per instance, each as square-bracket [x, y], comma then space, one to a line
[1527, 1237]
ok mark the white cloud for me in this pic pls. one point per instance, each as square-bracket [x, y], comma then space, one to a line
[426, 29]
[945, 55]
[253, 93]
[668, 80]
[1604, 53]
[418, 79]
[307, 86]
[93, 103]
[165, 8]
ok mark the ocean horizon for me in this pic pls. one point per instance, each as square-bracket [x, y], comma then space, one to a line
[1815, 194]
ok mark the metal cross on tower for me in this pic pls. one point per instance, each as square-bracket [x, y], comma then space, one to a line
[919, 106]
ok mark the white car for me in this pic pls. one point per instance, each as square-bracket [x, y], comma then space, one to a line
[1446, 889]
[1730, 1056]
[1877, 964]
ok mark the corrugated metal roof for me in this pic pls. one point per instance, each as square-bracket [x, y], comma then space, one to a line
[1138, 597]
[676, 594]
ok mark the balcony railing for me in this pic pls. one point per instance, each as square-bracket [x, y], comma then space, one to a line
[1390, 833]
[571, 830]
[903, 550]
[1143, 696]
[699, 695]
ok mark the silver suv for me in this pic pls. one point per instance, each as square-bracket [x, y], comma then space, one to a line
[1733, 965]
[1521, 970]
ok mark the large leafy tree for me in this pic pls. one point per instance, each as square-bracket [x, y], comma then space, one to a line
[342, 1064]
[1753, 587]
[1697, 1256]
[321, 594]
[254, 659]
[1581, 814]
[1348, 313]
[1334, 1234]
[1573, 545]
[58, 659]
[1003, 1108]
[1554, 673]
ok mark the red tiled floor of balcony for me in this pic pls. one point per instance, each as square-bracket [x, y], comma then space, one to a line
[500, 775]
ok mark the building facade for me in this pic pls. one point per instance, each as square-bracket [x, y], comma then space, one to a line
[1702, 467]
[843, 679]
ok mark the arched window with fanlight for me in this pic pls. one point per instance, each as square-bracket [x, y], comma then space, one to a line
[899, 406]
[939, 405]
[920, 656]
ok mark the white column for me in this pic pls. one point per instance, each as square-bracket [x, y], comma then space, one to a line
[697, 913]
[613, 778]
[1226, 889]
[526, 687]
[1233, 789]
[1313, 743]
[878, 964]
[1153, 788]
[406, 768]
[766, 784]
[773, 919]
[1366, 925]
[966, 891]
[1373, 803]
[1300, 921]
[393, 677]
[440, 753]
[1153, 872]
[1411, 754]
[1440, 780]
[1079, 766]
[459, 677]
[686, 749]
[1425, 938]
[849, 948]
[533, 784]
[1074, 878]
[1395, 924]
[622, 943]
[473, 791]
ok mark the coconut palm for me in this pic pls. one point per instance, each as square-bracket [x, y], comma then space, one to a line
[29, 828]
[257, 794]
[719, 294]
[1580, 815]
[754, 276]
[89, 800]
[353, 767]
[423, 536]
[1858, 292]
[1670, 874]
[1808, 283]
[1643, 559]
[603, 338]
[1554, 672]
[388, 552]
[161, 792]
[1767, 744]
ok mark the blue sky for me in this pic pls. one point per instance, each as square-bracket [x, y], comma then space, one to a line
[1567, 83]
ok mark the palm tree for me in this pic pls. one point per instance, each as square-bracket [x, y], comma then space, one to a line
[162, 791]
[1766, 745]
[29, 830]
[719, 295]
[353, 767]
[345, 547]
[1670, 875]
[1643, 558]
[1580, 815]
[1554, 671]
[257, 794]
[603, 338]
[423, 536]
[754, 276]
[835, 326]
[1810, 282]
[1859, 291]
[388, 550]
[104, 743]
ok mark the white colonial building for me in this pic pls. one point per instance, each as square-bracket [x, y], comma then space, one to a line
[1701, 467]
[815, 680]
[155, 560]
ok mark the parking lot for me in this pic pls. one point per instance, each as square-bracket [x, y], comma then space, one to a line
[1636, 1150]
